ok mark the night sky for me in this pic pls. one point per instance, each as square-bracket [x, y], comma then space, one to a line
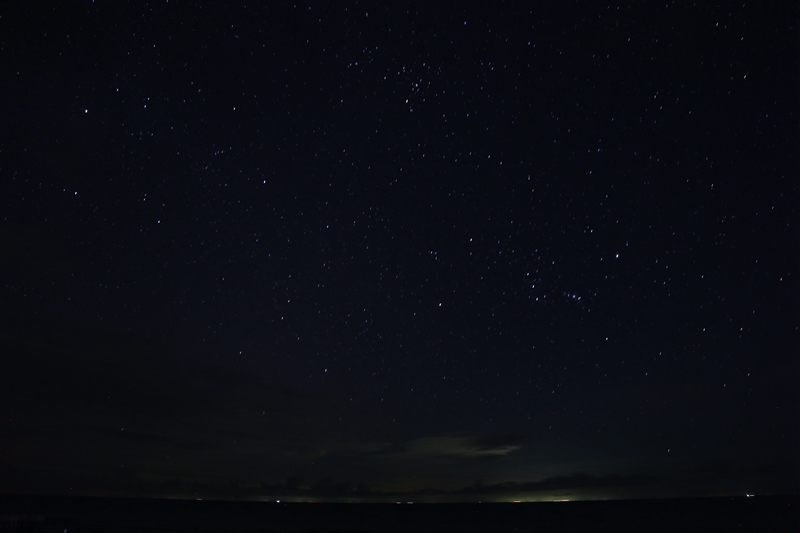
[373, 251]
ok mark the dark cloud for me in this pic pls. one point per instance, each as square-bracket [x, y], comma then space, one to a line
[498, 440]
[561, 483]
[297, 487]
[480, 446]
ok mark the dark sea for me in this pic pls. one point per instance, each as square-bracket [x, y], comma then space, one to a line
[76, 514]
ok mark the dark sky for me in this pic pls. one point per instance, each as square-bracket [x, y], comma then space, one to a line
[351, 251]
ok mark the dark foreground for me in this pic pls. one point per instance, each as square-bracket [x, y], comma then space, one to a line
[75, 515]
